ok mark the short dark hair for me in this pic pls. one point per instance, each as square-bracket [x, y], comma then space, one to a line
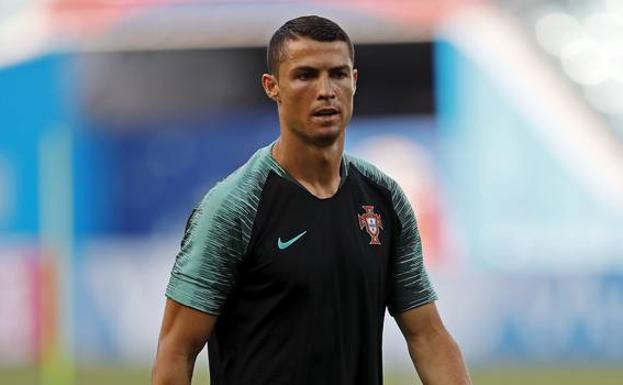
[312, 27]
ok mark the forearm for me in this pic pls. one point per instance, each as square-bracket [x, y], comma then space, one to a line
[438, 360]
[184, 333]
[172, 368]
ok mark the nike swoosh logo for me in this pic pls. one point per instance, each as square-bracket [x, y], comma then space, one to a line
[284, 245]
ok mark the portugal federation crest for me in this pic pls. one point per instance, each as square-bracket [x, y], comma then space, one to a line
[371, 221]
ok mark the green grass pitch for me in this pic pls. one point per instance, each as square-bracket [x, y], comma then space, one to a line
[480, 376]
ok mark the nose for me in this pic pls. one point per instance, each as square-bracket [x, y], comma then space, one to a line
[325, 88]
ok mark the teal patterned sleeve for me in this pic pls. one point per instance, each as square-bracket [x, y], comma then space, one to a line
[410, 285]
[205, 268]
[216, 238]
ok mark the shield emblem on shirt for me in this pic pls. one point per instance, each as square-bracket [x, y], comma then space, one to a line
[371, 222]
[374, 229]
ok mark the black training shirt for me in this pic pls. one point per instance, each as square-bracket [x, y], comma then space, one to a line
[300, 284]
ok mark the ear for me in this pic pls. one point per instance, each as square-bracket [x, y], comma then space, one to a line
[271, 87]
[355, 78]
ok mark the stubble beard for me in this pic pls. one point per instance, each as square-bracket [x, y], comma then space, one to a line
[318, 140]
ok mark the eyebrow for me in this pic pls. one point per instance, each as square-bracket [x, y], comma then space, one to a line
[310, 68]
[340, 68]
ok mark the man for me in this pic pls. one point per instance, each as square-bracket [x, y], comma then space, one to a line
[287, 266]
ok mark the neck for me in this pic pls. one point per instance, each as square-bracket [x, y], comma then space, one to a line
[317, 168]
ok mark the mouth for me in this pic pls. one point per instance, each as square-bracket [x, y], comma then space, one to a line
[326, 113]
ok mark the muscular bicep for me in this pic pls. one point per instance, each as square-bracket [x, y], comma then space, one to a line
[420, 322]
[185, 330]
[435, 355]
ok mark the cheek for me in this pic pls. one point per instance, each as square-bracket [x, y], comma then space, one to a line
[301, 98]
[296, 104]
[347, 94]
[346, 88]
[296, 91]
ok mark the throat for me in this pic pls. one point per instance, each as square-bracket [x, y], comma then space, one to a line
[316, 170]
[321, 191]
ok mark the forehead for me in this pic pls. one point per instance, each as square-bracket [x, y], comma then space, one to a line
[319, 54]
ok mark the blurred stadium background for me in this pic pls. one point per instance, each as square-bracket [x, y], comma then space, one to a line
[503, 121]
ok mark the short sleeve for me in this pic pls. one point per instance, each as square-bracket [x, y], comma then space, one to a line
[205, 268]
[410, 286]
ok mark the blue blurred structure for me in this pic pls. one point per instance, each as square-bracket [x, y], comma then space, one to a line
[33, 107]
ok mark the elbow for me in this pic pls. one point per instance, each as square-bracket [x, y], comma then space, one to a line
[173, 362]
[426, 332]
[429, 339]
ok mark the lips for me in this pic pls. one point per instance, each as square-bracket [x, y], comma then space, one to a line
[325, 111]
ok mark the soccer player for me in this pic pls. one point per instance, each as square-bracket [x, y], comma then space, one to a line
[287, 266]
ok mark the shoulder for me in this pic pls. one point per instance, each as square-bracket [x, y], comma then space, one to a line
[400, 202]
[232, 202]
[242, 184]
[371, 172]
[217, 237]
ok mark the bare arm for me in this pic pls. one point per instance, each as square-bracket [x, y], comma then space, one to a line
[434, 353]
[183, 334]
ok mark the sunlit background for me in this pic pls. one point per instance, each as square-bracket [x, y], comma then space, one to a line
[502, 120]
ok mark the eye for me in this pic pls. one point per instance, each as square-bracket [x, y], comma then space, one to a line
[340, 74]
[304, 76]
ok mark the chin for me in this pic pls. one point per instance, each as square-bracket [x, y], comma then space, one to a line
[319, 136]
[325, 136]
[325, 140]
